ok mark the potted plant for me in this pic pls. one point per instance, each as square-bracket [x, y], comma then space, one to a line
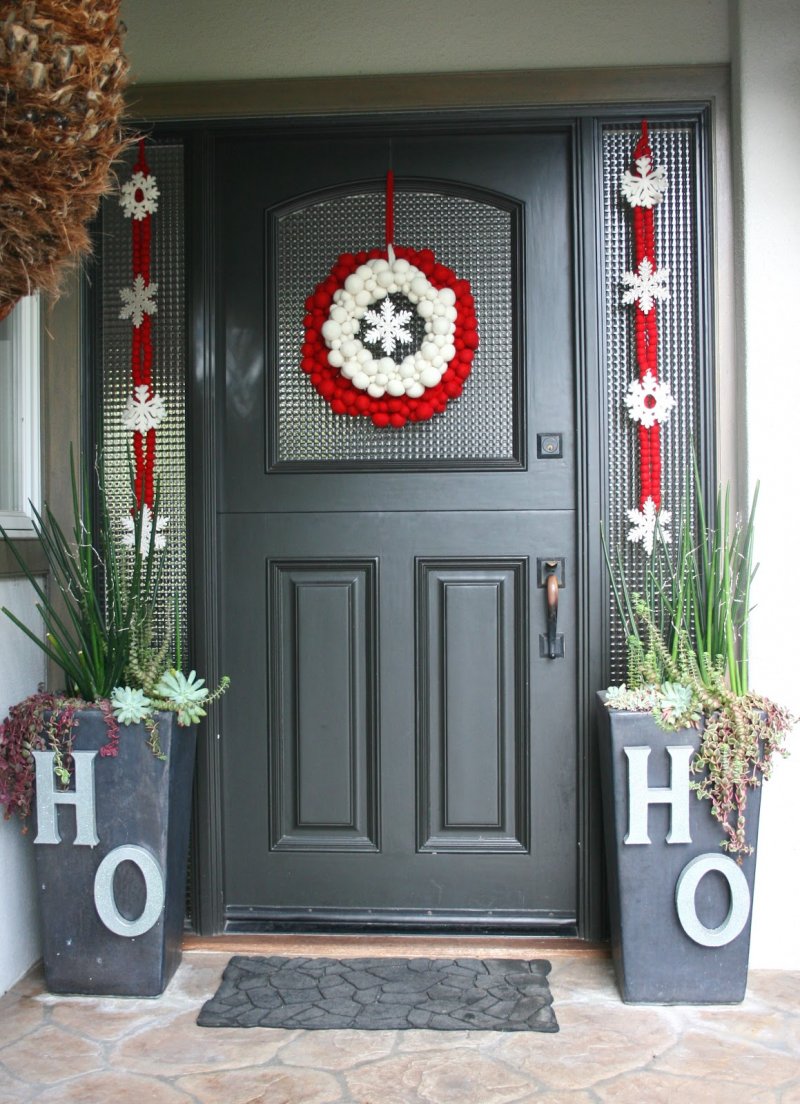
[106, 764]
[684, 747]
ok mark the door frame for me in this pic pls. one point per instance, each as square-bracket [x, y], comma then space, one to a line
[299, 106]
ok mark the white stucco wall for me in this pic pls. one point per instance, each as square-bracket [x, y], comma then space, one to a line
[767, 91]
[21, 671]
[191, 40]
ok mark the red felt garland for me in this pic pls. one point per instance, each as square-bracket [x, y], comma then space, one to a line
[144, 446]
[646, 329]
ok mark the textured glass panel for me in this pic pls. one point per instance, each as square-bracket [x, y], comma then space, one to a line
[676, 235]
[472, 238]
[169, 359]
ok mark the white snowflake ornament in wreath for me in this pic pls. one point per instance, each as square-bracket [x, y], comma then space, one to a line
[643, 525]
[143, 412]
[646, 285]
[649, 401]
[139, 196]
[139, 300]
[370, 283]
[645, 188]
[388, 326]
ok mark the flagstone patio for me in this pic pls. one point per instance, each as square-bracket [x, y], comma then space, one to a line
[80, 1050]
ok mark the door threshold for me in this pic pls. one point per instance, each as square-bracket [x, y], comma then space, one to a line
[398, 946]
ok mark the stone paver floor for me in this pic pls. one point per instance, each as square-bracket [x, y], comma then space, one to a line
[92, 1051]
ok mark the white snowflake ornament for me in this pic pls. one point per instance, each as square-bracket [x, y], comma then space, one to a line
[137, 301]
[139, 196]
[647, 188]
[143, 413]
[646, 285]
[388, 327]
[643, 525]
[129, 531]
[649, 401]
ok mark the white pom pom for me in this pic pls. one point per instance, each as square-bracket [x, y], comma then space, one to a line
[415, 390]
[395, 388]
[447, 296]
[331, 329]
[349, 348]
[363, 298]
[361, 381]
[429, 351]
[430, 377]
[335, 358]
[353, 283]
[425, 309]
[376, 390]
[419, 285]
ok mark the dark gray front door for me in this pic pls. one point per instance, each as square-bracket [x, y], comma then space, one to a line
[394, 745]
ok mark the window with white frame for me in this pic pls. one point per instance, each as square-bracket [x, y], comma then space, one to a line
[19, 417]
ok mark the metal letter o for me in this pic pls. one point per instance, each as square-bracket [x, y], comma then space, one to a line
[685, 890]
[105, 902]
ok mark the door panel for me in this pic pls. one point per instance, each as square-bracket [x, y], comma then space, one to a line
[394, 744]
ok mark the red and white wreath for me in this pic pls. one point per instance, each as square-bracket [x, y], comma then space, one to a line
[360, 351]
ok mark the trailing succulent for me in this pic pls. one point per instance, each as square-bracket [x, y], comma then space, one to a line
[687, 658]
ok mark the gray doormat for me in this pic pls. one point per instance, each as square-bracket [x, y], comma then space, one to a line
[380, 994]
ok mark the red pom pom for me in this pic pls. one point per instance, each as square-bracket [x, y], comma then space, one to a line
[307, 364]
[338, 407]
[327, 388]
[397, 420]
[471, 339]
[424, 411]
[453, 389]
[380, 420]
[362, 403]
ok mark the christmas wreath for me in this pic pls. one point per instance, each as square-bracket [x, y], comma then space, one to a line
[390, 334]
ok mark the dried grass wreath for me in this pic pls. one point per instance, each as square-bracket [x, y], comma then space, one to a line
[62, 73]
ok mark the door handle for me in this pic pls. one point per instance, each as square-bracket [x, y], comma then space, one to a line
[551, 592]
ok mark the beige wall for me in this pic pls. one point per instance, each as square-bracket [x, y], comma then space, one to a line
[767, 144]
[198, 40]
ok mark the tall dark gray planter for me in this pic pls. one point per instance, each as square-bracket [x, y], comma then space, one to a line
[142, 805]
[664, 902]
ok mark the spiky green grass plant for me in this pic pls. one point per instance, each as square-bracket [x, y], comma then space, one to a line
[687, 636]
